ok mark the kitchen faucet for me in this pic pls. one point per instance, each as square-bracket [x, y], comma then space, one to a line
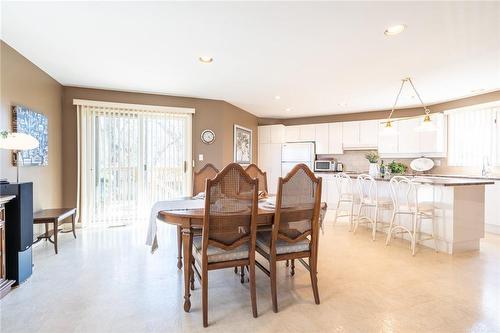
[486, 166]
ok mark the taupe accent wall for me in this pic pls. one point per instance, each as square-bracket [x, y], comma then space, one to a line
[383, 114]
[217, 115]
[22, 83]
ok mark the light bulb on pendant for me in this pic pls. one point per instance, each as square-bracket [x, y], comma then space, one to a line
[427, 125]
[389, 130]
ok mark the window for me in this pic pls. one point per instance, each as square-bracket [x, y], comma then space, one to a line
[473, 136]
[130, 157]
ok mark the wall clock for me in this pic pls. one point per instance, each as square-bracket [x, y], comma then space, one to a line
[208, 136]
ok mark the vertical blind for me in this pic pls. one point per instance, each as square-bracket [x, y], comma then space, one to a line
[129, 158]
[473, 137]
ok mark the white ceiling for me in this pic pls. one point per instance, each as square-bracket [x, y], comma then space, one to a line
[321, 58]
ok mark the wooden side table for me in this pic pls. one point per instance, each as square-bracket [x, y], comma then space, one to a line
[56, 217]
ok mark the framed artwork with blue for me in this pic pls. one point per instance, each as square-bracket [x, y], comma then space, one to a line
[25, 120]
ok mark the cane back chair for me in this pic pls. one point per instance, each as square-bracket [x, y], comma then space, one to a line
[295, 230]
[229, 229]
[208, 171]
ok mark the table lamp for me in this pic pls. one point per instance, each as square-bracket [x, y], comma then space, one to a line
[17, 142]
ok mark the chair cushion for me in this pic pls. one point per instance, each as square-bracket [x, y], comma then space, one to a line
[216, 254]
[282, 247]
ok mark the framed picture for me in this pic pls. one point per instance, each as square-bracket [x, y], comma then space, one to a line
[25, 120]
[242, 144]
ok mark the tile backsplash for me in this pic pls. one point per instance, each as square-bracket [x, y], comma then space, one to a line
[354, 160]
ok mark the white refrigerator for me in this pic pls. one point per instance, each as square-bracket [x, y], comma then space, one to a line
[295, 153]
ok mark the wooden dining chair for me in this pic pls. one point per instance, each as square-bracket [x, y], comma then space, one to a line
[208, 171]
[295, 230]
[255, 172]
[229, 229]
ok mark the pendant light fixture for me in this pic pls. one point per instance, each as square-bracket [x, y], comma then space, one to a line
[426, 125]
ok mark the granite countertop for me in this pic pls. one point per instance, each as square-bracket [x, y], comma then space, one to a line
[440, 180]
[489, 177]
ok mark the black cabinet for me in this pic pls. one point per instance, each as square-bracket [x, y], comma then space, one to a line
[18, 231]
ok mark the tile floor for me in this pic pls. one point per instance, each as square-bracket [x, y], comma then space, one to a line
[107, 281]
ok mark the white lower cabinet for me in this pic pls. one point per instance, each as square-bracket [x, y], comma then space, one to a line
[329, 192]
[491, 208]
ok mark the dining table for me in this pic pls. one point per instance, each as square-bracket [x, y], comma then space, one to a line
[191, 219]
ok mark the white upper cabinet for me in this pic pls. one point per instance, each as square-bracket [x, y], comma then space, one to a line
[497, 120]
[292, 133]
[307, 132]
[329, 138]
[277, 133]
[300, 133]
[322, 138]
[388, 142]
[335, 138]
[360, 134]
[368, 133]
[272, 134]
[408, 142]
[350, 134]
[434, 143]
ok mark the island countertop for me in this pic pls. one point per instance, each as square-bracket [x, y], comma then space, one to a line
[433, 180]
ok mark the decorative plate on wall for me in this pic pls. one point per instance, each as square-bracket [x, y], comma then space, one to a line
[208, 136]
[422, 164]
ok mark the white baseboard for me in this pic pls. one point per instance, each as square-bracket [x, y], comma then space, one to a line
[492, 228]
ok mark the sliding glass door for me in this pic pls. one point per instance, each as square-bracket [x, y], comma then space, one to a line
[137, 158]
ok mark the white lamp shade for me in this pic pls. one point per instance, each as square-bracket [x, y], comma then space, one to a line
[18, 141]
[426, 126]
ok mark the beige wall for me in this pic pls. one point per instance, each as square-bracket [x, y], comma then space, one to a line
[25, 84]
[217, 115]
[383, 114]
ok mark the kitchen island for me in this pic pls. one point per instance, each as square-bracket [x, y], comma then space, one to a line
[459, 203]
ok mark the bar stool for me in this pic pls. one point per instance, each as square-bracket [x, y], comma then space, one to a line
[369, 200]
[346, 196]
[405, 202]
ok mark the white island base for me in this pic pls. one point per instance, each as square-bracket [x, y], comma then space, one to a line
[459, 213]
[460, 216]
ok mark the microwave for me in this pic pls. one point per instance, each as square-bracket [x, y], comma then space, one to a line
[324, 165]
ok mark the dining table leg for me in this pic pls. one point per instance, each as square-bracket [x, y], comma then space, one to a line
[187, 243]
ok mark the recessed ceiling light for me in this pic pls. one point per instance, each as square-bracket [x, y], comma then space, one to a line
[394, 30]
[288, 109]
[277, 97]
[206, 59]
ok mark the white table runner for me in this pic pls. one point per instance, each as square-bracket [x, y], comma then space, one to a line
[151, 239]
